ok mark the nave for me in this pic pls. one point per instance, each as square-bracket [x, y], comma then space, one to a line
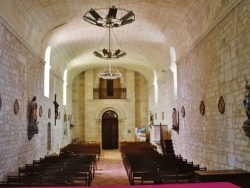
[109, 171]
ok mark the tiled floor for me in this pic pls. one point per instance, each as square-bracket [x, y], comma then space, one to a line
[110, 170]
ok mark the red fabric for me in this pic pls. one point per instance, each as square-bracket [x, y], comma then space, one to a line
[189, 185]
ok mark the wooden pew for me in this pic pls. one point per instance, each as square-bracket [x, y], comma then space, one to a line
[83, 149]
[237, 176]
[147, 166]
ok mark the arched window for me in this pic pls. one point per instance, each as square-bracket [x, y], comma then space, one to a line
[174, 69]
[47, 71]
[65, 87]
[156, 87]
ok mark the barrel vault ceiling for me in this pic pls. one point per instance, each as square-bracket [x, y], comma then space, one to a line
[158, 25]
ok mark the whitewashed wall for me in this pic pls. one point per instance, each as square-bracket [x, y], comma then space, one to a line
[216, 66]
[21, 78]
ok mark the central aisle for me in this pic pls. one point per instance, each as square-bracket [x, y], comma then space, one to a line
[110, 170]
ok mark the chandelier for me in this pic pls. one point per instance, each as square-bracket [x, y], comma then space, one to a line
[109, 54]
[109, 72]
[109, 18]
[112, 17]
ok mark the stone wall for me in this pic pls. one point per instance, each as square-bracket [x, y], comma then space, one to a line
[132, 112]
[141, 101]
[215, 67]
[21, 78]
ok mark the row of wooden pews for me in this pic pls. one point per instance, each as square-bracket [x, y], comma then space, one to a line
[83, 148]
[145, 165]
[74, 166]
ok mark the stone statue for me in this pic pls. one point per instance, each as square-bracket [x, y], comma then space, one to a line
[246, 100]
[33, 112]
[151, 118]
[175, 119]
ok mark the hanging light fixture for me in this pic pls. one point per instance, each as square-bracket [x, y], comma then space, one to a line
[109, 70]
[109, 54]
[111, 17]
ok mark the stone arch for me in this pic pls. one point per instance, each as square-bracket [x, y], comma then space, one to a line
[118, 111]
[98, 121]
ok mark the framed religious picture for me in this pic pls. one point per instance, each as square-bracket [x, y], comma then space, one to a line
[221, 105]
[202, 108]
[16, 107]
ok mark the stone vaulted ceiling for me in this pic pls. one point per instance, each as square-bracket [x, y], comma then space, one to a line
[159, 25]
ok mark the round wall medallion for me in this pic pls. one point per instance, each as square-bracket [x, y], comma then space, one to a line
[202, 108]
[221, 105]
[182, 111]
[16, 106]
[40, 111]
[49, 113]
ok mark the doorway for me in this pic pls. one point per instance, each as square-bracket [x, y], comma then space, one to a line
[109, 130]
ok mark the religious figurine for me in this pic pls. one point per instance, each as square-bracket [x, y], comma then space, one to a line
[151, 118]
[175, 119]
[246, 100]
[33, 111]
[33, 129]
[56, 109]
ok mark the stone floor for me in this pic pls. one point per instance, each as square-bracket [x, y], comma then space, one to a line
[110, 170]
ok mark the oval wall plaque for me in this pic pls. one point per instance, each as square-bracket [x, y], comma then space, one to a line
[221, 105]
[16, 107]
[202, 108]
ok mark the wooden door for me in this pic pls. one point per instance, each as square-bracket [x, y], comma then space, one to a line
[110, 132]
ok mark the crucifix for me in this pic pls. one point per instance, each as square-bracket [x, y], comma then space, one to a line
[56, 109]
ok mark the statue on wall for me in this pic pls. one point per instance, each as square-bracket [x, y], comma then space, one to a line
[151, 119]
[246, 100]
[33, 128]
[175, 120]
[56, 109]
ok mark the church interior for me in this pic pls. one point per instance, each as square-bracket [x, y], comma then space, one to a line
[127, 76]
